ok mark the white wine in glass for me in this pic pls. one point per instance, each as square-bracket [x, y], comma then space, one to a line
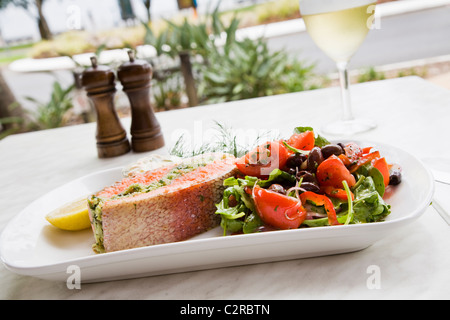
[339, 27]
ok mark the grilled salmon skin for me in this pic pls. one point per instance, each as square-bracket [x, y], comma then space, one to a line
[172, 203]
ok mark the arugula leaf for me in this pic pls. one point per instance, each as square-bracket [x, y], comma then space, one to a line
[321, 141]
[368, 206]
[252, 223]
[243, 216]
[302, 129]
[378, 180]
[350, 213]
[305, 152]
[232, 218]
[276, 175]
[377, 176]
[322, 222]
[231, 225]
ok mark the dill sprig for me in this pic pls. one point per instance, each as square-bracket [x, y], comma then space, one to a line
[226, 140]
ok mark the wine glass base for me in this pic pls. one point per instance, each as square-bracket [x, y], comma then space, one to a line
[348, 127]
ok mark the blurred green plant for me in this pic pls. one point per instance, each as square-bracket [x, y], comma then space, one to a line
[412, 72]
[371, 74]
[227, 68]
[278, 10]
[167, 93]
[248, 69]
[15, 121]
[197, 38]
[52, 114]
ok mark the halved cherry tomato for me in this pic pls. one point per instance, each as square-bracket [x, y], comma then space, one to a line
[278, 210]
[302, 141]
[262, 160]
[331, 172]
[321, 200]
[353, 151]
[364, 160]
[382, 166]
[337, 193]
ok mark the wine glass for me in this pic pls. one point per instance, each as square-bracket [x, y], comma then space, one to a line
[338, 27]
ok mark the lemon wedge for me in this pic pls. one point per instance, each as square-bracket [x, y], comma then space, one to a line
[72, 216]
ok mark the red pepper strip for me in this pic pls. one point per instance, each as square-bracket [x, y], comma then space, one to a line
[383, 167]
[337, 193]
[366, 150]
[345, 160]
[365, 159]
[321, 200]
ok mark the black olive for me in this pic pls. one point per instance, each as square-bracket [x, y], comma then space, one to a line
[310, 186]
[232, 201]
[291, 171]
[331, 149]
[277, 188]
[306, 176]
[340, 144]
[395, 175]
[315, 158]
[295, 160]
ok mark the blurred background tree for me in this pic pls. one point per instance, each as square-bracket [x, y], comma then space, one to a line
[126, 12]
[30, 6]
[147, 4]
[10, 111]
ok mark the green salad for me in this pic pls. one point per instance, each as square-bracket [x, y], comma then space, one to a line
[306, 181]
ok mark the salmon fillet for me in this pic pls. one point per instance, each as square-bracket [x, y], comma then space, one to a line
[169, 204]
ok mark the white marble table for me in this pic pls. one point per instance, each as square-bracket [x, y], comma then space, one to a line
[414, 261]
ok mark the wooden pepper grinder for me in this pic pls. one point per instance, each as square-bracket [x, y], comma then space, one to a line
[99, 83]
[135, 77]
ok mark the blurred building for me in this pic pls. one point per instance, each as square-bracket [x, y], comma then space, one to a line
[19, 25]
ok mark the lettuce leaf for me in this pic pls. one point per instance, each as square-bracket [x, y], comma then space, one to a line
[368, 205]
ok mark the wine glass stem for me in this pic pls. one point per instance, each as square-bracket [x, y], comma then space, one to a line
[345, 91]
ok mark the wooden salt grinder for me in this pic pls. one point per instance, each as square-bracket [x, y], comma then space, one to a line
[99, 82]
[135, 77]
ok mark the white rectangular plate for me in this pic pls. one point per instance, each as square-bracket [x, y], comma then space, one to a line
[29, 245]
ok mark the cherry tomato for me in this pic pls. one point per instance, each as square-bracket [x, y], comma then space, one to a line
[332, 171]
[278, 210]
[302, 141]
[261, 161]
[353, 151]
